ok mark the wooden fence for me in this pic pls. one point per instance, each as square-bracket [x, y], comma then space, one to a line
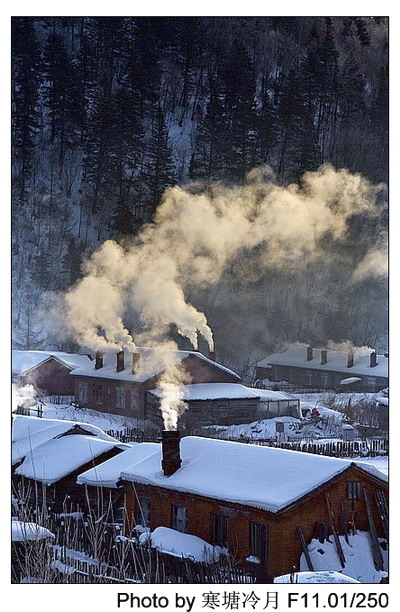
[335, 448]
[133, 563]
[132, 435]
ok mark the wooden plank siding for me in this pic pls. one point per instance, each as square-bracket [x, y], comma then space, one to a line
[307, 376]
[106, 400]
[283, 546]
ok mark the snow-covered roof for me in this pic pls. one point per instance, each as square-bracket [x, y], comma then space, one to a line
[214, 391]
[30, 432]
[258, 476]
[57, 458]
[21, 531]
[337, 361]
[108, 473]
[23, 361]
[153, 361]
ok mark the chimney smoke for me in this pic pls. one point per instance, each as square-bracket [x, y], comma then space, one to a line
[350, 359]
[135, 362]
[372, 360]
[324, 357]
[309, 353]
[171, 459]
[120, 361]
[99, 360]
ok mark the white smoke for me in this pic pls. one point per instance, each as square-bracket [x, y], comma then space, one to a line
[22, 396]
[196, 234]
[171, 384]
[348, 347]
[374, 265]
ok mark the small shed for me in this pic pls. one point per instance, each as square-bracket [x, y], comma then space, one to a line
[226, 404]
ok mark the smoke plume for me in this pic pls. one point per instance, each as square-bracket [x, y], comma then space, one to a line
[373, 265]
[196, 234]
[171, 384]
[22, 397]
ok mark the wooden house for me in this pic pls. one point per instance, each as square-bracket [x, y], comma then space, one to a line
[256, 501]
[226, 404]
[47, 371]
[118, 384]
[355, 370]
[48, 455]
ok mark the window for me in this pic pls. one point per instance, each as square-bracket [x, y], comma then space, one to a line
[179, 518]
[258, 541]
[353, 490]
[119, 514]
[82, 392]
[371, 382]
[120, 397]
[143, 514]
[219, 529]
[308, 376]
[135, 401]
[324, 380]
[97, 393]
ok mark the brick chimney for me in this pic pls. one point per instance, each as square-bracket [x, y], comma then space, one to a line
[211, 355]
[135, 362]
[120, 361]
[99, 361]
[171, 457]
[372, 360]
[324, 356]
[350, 359]
[309, 353]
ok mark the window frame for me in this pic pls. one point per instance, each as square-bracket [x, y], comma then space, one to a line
[179, 518]
[120, 397]
[219, 529]
[143, 511]
[353, 490]
[258, 536]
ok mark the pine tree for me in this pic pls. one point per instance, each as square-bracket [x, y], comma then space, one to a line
[71, 262]
[239, 101]
[63, 96]
[26, 74]
[145, 64]
[99, 160]
[159, 169]
[208, 156]
[266, 130]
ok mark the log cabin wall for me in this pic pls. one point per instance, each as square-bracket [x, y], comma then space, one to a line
[283, 545]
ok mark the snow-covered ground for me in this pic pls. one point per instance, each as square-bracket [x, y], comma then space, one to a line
[315, 578]
[358, 554]
[329, 423]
